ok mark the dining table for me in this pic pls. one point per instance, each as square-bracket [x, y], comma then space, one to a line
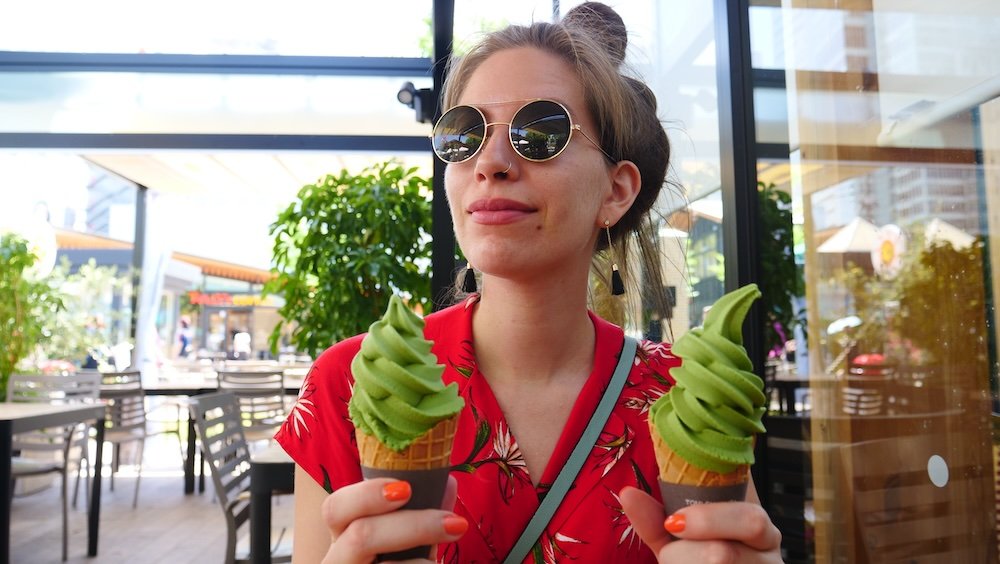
[193, 384]
[23, 417]
[271, 470]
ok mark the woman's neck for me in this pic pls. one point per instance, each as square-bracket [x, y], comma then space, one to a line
[538, 332]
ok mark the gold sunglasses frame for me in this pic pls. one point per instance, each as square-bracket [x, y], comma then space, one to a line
[486, 135]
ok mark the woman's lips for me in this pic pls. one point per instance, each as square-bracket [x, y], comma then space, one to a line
[498, 211]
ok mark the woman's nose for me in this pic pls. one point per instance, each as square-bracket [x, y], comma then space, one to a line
[496, 157]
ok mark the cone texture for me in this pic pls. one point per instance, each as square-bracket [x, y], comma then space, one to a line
[432, 450]
[676, 470]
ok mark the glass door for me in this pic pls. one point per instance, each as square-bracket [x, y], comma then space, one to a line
[893, 170]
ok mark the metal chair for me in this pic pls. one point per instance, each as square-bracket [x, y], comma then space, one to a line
[126, 421]
[261, 395]
[37, 388]
[218, 425]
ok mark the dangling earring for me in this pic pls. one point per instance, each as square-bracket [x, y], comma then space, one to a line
[617, 286]
[469, 281]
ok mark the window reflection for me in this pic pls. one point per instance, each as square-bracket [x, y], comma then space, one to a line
[893, 135]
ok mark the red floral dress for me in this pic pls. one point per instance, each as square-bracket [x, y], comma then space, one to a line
[495, 492]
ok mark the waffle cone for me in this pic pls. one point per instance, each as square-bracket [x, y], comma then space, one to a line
[433, 450]
[675, 470]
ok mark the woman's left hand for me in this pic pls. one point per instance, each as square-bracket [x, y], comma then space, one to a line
[712, 532]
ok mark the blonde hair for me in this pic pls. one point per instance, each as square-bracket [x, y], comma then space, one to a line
[592, 39]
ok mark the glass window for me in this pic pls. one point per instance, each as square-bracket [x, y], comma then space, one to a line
[225, 27]
[672, 47]
[383, 28]
[767, 44]
[113, 102]
[881, 441]
[771, 113]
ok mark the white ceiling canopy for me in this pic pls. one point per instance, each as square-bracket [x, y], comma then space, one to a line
[220, 204]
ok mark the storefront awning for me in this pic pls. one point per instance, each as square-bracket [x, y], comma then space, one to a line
[74, 240]
[213, 267]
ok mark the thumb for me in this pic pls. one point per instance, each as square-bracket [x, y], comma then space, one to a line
[646, 516]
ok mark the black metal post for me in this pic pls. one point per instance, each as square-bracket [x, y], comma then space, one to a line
[138, 255]
[94, 509]
[738, 161]
[442, 232]
[7, 485]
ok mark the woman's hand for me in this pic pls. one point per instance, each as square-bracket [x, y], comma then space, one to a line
[712, 532]
[363, 521]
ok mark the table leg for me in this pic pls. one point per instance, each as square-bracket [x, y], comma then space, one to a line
[94, 513]
[189, 460]
[786, 396]
[6, 451]
[260, 526]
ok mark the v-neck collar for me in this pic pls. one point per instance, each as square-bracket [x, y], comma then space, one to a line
[608, 337]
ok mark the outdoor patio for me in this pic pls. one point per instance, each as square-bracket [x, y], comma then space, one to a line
[167, 526]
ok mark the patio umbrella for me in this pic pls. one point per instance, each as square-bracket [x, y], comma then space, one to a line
[858, 236]
[843, 323]
[939, 230]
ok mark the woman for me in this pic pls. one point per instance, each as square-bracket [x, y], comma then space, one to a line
[530, 209]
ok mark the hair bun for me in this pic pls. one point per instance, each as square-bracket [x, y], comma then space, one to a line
[602, 22]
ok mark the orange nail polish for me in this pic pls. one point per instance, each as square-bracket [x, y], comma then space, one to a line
[674, 524]
[396, 491]
[455, 525]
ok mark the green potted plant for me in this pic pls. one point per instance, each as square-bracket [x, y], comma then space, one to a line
[781, 279]
[343, 247]
[25, 302]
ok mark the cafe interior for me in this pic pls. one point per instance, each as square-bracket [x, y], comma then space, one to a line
[844, 156]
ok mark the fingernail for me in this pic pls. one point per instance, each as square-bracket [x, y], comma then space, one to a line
[455, 525]
[396, 491]
[674, 524]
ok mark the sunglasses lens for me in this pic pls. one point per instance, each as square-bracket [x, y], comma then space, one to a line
[540, 130]
[458, 134]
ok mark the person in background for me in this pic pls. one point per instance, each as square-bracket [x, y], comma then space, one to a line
[241, 345]
[184, 336]
[553, 156]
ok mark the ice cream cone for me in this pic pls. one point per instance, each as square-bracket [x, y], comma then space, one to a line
[433, 450]
[675, 470]
[404, 415]
[703, 428]
[425, 464]
[683, 484]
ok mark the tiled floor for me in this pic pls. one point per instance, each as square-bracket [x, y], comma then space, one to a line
[167, 526]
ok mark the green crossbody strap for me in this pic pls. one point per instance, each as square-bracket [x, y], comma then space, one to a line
[567, 475]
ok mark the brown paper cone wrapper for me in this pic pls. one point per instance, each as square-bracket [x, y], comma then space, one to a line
[425, 464]
[683, 484]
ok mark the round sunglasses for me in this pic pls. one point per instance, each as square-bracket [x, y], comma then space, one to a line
[539, 131]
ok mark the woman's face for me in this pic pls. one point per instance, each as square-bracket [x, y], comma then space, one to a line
[539, 215]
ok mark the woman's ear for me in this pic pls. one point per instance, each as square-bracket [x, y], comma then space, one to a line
[626, 182]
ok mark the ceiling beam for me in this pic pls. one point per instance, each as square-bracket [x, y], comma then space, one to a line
[212, 141]
[14, 61]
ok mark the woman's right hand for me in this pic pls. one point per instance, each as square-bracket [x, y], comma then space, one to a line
[363, 521]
